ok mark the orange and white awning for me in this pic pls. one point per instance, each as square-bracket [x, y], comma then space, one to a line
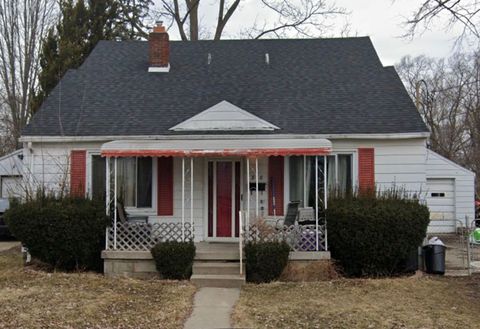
[247, 147]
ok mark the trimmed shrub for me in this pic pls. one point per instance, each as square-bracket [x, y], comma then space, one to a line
[373, 235]
[174, 259]
[67, 233]
[265, 261]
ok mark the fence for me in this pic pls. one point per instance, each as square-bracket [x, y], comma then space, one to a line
[298, 237]
[134, 236]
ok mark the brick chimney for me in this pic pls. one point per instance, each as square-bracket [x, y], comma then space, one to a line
[159, 49]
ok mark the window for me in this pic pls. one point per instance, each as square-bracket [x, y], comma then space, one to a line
[302, 176]
[134, 180]
[344, 172]
[296, 179]
[98, 177]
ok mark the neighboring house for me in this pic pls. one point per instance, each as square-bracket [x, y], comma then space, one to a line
[185, 125]
[11, 184]
[12, 171]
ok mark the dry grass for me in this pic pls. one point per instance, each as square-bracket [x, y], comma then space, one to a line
[298, 271]
[423, 302]
[36, 299]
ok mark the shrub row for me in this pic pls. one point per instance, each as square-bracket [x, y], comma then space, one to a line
[67, 233]
[173, 259]
[373, 235]
[265, 261]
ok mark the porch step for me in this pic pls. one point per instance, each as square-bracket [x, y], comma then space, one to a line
[218, 280]
[223, 255]
[217, 268]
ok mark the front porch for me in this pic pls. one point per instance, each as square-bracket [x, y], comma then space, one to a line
[223, 260]
[217, 190]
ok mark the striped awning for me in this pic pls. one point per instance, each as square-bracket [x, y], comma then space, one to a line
[217, 147]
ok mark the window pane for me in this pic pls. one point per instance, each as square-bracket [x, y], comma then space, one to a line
[311, 181]
[331, 173]
[98, 178]
[126, 177]
[344, 172]
[296, 178]
[144, 183]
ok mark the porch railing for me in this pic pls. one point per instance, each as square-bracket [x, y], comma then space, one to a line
[134, 236]
[298, 237]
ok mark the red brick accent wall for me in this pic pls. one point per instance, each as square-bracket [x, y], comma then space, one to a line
[366, 169]
[165, 186]
[78, 169]
[275, 184]
[159, 49]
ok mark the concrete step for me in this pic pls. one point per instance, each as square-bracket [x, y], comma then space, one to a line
[218, 281]
[217, 255]
[216, 247]
[216, 268]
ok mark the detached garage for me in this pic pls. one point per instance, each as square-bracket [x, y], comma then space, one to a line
[450, 194]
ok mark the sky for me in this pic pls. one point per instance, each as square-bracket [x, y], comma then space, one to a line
[380, 19]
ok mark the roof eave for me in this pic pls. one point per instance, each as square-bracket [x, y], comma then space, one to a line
[45, 139]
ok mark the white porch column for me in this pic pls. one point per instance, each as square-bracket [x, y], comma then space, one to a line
[304, 181]
[115, 205]
[248, 193]
[325, 197]
[256, 188]
[191, 195]
[316, 200]
[183, 199]
[107, 197]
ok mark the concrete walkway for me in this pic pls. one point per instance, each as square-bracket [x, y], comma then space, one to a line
[6, 245]
[212, 308]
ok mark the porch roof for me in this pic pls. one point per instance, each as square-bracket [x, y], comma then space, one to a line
[217, 147]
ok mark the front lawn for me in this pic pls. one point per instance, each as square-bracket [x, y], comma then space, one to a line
[35, 299]
[364, 303]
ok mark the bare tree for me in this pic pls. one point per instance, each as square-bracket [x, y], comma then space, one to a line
[447, 93]
[306, 18]
[449, 13]
[472, 107]
[23, 24]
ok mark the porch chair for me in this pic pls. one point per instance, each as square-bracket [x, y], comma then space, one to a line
[306, 216]
[291, 216]
[124, 217]
[136, 228]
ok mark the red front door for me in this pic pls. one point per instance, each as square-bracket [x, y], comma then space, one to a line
[224, 199]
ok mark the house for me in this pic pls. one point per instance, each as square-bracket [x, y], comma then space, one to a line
[200, 139]
[11, 175]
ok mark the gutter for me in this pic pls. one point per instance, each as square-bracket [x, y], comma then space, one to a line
[51, 139]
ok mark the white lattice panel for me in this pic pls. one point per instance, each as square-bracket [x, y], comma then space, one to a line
[133, 236]
[298, 237]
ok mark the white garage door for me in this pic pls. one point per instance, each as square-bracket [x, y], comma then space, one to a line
[441, 201]
[11, 186]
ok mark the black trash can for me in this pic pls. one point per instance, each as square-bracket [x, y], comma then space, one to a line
[434, 256]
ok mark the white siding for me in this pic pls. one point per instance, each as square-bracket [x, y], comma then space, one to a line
[397, 162]
[439, 167]
[198, 195]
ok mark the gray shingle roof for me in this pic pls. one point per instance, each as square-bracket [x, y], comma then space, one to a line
[319, 86]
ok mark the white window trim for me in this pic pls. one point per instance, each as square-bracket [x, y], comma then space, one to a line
[151, 211]
[354, 166]
[352, 152]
